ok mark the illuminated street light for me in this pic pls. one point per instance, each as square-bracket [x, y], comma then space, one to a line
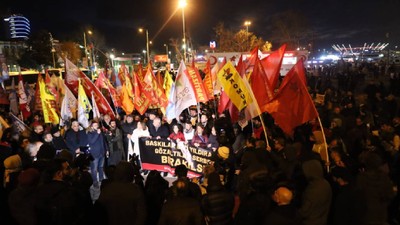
[112, 57]
[247, 24]
[87, 54]
[182, 4]
[141, 30]
[144, 53]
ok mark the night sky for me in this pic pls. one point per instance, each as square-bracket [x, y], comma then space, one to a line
[332, 21]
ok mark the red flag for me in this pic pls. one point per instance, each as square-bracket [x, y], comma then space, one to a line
[103, 82]
[50, 86]
[292, 105]
[23, 98]
[226, 104]
[140, 71]
[197, 84]
[141, 100]
[3, 97]
[251, 60]
[272, 65]
[71, 80]
[207, 82]
[158, 96]
[223, 102]
[260, 85]
[241, 67]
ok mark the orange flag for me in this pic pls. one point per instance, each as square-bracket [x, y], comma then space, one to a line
[123, 73]
[140, 71]
[159, 78]
[159, 98]
[142, 98]
[292, 105]
[50, 86]
[38, 101]
[126, 100]
[207, 82]
[272, 65]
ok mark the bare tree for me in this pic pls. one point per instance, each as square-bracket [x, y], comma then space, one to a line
[70, 50]
[241, 41]
[290, 27]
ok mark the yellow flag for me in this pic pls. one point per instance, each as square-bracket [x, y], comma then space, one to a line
[126, 100]
[48, 103]
[167, 83]
[84, 107]
[233, 86]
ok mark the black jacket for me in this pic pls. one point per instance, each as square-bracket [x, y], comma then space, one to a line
[218, 205]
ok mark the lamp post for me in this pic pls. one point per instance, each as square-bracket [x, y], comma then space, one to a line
[166, 50]
[112, 57]
[52, 49]
[182, 5]
[87, 55]
[141, 30]
[247, 24]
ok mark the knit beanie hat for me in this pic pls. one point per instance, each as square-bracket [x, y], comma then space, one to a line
[223, 152]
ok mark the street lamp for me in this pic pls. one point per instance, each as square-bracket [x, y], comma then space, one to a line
[52, 49]
[166, 49]
[86, 50]
[247, 24]
[182, 5]
[144, 53]
[112, 57]
[141, 30]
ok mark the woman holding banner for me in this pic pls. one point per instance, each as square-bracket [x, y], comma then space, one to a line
[176, 136]
[140, 131]
[200, 139]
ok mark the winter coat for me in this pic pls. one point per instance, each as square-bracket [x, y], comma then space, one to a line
[316, 198]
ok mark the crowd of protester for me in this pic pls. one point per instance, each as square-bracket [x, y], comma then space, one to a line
[47, 175]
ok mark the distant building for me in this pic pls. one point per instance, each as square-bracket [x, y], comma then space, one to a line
[17, 27]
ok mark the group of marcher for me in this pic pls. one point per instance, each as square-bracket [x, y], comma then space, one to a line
[47, 176]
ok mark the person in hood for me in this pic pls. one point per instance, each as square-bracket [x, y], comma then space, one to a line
[317, 196]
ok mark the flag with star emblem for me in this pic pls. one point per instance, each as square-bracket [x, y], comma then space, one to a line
[84, 107]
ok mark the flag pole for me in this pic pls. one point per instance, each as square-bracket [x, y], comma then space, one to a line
[258, 110]
[325, 144]
[112, 99]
